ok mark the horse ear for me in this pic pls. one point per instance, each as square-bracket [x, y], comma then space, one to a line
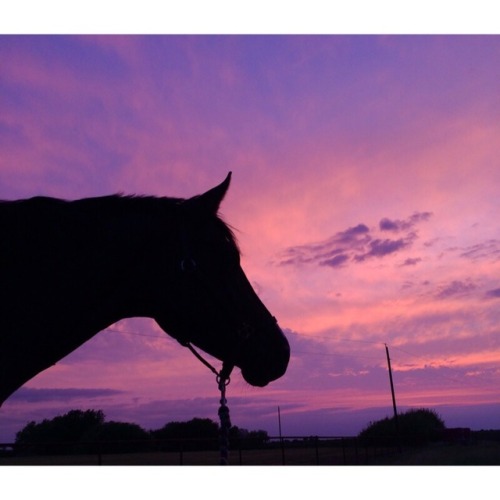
[210, 201]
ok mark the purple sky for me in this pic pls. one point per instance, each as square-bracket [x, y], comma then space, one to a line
[365, 196]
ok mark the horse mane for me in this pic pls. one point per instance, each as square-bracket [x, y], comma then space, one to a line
[42, 209]
[100, 202]
[146, 202]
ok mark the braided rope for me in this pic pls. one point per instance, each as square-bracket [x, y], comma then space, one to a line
[225, 421]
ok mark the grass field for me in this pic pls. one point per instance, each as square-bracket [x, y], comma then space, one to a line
[248, 457]
[474, 453]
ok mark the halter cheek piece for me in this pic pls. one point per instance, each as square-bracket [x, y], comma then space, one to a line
[189, 266]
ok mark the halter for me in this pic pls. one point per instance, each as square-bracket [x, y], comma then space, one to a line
[189, 267]
[223, 378]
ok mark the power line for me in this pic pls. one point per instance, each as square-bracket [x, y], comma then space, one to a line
[127, 332]
[335, 339]
[461, 380]
[333, 354]
[428, 364]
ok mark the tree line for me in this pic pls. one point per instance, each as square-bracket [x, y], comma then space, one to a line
[88, 432]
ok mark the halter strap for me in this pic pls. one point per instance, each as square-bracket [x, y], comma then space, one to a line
[223, 376]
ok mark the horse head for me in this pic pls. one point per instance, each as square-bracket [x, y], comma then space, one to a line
[214, 305]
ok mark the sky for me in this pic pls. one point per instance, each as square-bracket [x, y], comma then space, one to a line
[364, 196]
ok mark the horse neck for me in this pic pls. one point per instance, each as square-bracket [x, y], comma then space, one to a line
[77, 267]
[140, 248]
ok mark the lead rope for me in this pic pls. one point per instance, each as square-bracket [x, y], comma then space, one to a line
[223, 380]
[225, 421]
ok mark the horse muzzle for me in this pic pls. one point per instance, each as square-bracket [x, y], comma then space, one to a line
[268, 366]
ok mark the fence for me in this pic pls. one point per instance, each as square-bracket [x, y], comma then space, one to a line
[287, 450]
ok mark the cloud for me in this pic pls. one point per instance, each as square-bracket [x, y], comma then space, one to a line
[31, 395]
[357, 244]
[333, 251]
[485, 250]
[494, 294]
[352, 234]
[380, 248]
[403, 225]
[411, 261]
[455, 288]
[336, 261]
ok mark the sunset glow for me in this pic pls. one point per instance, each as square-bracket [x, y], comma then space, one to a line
[365, 199]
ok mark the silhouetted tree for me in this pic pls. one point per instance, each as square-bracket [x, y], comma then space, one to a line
[417, 426]
[247, 439]
[56, 435]
[86, 432]
[115, 437]
[198, 433]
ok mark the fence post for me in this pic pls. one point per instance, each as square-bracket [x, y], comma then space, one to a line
[282, 451]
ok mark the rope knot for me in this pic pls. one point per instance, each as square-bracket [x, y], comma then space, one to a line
[225, 420]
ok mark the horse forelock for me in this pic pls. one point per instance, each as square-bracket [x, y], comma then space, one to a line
[228, 232]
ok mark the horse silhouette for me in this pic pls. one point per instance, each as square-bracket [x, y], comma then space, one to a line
[69, 269]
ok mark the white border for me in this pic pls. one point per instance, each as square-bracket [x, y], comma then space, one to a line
[245, 17]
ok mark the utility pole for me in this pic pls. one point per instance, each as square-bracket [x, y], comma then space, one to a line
[393, 396]
[282, 444]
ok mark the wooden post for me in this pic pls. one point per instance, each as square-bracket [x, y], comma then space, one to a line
[393, 396]
[282, 444]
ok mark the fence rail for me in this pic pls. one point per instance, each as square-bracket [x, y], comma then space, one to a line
[285, 450]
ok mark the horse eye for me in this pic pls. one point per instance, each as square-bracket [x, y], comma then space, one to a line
[188, 265]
